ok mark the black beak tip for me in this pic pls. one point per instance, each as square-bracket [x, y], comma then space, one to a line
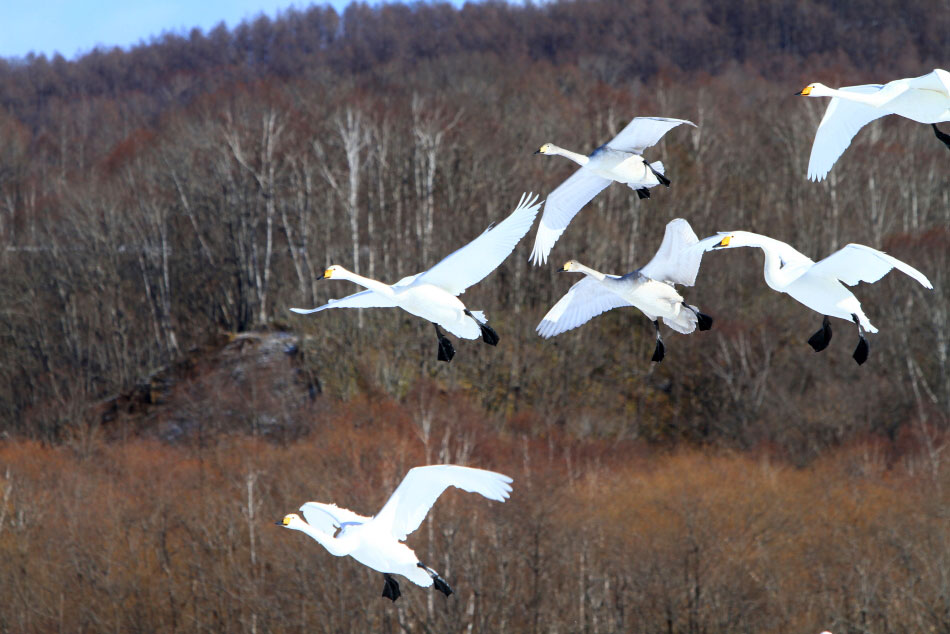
[279, 523]
[537, 151]
[797, 93]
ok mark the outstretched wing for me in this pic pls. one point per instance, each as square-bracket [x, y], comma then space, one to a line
[937, 80]
[675, 261]
[584, 301]
[561, 207]
[422, 486]
[328, 517]
[473, 262]
[644, 132]
[857, 263]
[841, 122]
[363, 299]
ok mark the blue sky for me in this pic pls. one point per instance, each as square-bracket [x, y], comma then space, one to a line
[72, 27]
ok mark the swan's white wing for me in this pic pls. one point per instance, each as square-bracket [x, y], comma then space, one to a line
[675, 262]
[328, 517]
[857, 263]
[484, 254]
[422, 486]
[561, 207]
[584, 301]
[363, 299]
[841, 122]
[938, 80]
[643, 132]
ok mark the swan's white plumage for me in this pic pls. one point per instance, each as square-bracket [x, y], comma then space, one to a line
[925, 99]
[432, 294]
[617, 160]
[422, 486]
[650, 289]
[376, 541]
[859, 263]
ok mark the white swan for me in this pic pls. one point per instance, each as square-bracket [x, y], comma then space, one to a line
[650, 289]
[432, 294]
[818, 285]
[375, 541]
[617, 160]
[925, 99]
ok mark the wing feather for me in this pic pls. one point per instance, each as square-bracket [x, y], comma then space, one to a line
[363, 299]
[675, 261]
[843, 119]
[473, 262]
[422, 486]
[644, 132]
[858, 263]
[329, 517]
[584, 301]
[561, 207]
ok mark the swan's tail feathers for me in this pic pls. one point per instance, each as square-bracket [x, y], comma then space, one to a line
[479, 316]
[864, 322]
[686, 320]
[657, 168]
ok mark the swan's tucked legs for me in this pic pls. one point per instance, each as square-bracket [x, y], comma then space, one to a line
[943, 136]
[660, 177]
[861, 352]
[660, 350]
[437, 581]
[390, 587]
[819, 340]
[642, 193]
[446, 349]
[703, 321]
[489, 335]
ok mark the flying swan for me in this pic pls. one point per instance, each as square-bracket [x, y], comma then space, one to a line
[925, 99]
[617, 160]
[650, 289]
[818, 285]
[432, 294]
[375, 541]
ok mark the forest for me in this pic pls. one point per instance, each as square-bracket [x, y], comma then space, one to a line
[162, 208]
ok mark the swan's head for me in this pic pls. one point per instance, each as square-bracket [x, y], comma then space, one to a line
[571, 266]
[547, 148]
[814, 90]
[732, 239]
[291, 521]
[333, 269]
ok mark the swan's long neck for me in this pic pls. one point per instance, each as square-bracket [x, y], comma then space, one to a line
[333, 545]
[773, 271]
[871, 99]
[580, 159]
[366, 282]
[586, 270]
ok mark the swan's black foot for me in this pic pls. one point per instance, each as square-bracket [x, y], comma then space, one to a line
[446, 349]
[390, 587]
[703, 321]
[943, 136]
[642, 193]
[819, 341]
[861, 352]
[660, 177]
[437, 581]
[489, 335]
[660, 351]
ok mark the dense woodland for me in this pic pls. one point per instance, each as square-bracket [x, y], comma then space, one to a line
[161, 208]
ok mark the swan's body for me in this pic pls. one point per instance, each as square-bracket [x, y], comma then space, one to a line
[820, 285]
[433, 294]
[925, 99]
[375, 542]
[620, 159]
[650, 289]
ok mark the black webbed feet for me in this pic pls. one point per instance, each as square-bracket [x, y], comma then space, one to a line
[390, 587]
[446, 349]
[642, 193]
[861, 352]
[819, 341]
[704, 322]
[437, 581]
[659, 352]
[489, 335]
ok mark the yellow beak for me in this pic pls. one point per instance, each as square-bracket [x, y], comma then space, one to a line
[725, 241]
[328, 274]
[805, 91]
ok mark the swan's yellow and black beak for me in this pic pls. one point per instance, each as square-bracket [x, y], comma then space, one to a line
[327, 274]
[538, 151]
[804, 92]
[723, 243]
[565, 269]
[284, 522]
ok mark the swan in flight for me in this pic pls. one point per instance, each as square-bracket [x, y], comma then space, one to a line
[376, 541]
[650, 289]
[620, 159]
[820, 285]
[433, 294]
[925, 99]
